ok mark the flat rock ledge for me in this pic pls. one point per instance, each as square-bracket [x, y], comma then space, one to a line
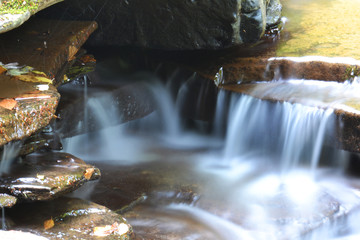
[24, 107]
[45, 176]
[45, 48]
[253, 69]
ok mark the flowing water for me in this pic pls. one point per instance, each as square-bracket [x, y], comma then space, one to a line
[268, 170]
[259, 170]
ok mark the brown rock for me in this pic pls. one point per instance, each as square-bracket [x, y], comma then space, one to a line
[46, 176]
[42, 46]
[72, 219]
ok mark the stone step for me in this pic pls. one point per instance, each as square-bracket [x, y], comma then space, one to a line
[252, 69]
[344, 98]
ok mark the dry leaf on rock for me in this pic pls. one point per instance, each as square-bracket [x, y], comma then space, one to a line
[2, 70]
[88, 173]
[32, 78]
[116, 228]
[8, 103]
[49, 224]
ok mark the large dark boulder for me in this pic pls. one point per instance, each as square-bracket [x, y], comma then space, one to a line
[174, 24]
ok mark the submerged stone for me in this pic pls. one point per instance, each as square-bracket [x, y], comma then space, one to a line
[122, 101]
[44, 176]
[68, 218]
[174, 24]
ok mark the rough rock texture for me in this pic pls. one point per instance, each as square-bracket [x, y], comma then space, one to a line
[253, 69]
[15, 12]
[68, 218]
[25, 113]
[27, 98]
[189, 24]
[45, 45]
[46, 176]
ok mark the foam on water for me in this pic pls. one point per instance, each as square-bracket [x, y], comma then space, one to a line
[267, 169]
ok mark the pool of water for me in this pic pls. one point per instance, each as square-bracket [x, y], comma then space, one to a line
[320, 27]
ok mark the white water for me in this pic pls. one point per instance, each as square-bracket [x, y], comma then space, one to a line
[270, 157]
[9, 154]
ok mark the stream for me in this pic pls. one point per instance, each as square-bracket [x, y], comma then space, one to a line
[257, 170]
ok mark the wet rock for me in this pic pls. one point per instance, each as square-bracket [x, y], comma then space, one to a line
[48, 46]
[68, 218]
[44, 176]
[15, 13]
[122, 102]
[43, 140]
[253, 69]
[175, 24]
[7, 200]
[343, 98]
[24, 107]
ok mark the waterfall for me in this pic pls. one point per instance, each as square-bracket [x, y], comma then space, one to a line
[9, 154]
[291, 134]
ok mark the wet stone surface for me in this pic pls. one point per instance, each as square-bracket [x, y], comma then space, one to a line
[48, 46]
[44, 176]
[24, 109]
[69, 218]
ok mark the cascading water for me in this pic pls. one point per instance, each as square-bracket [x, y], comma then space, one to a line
[264, 183]
[9, 154]
[290, 133]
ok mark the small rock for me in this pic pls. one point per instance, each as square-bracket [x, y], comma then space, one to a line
[44, 176]
[7, 200]
[70, 218]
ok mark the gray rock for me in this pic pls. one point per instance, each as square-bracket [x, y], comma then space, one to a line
[176, 25]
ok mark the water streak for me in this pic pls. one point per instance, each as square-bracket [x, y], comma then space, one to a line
[292, 133]
[9, 154]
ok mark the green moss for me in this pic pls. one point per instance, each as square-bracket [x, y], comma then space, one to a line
[19, 6]
[351, 73]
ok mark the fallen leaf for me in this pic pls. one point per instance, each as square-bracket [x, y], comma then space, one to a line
[31, 78]
[116, 228]
[87, 59]
[88, 173]
[39, 73]
[2, 70]
[49, 224]
[8, 103]
[16, 71]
